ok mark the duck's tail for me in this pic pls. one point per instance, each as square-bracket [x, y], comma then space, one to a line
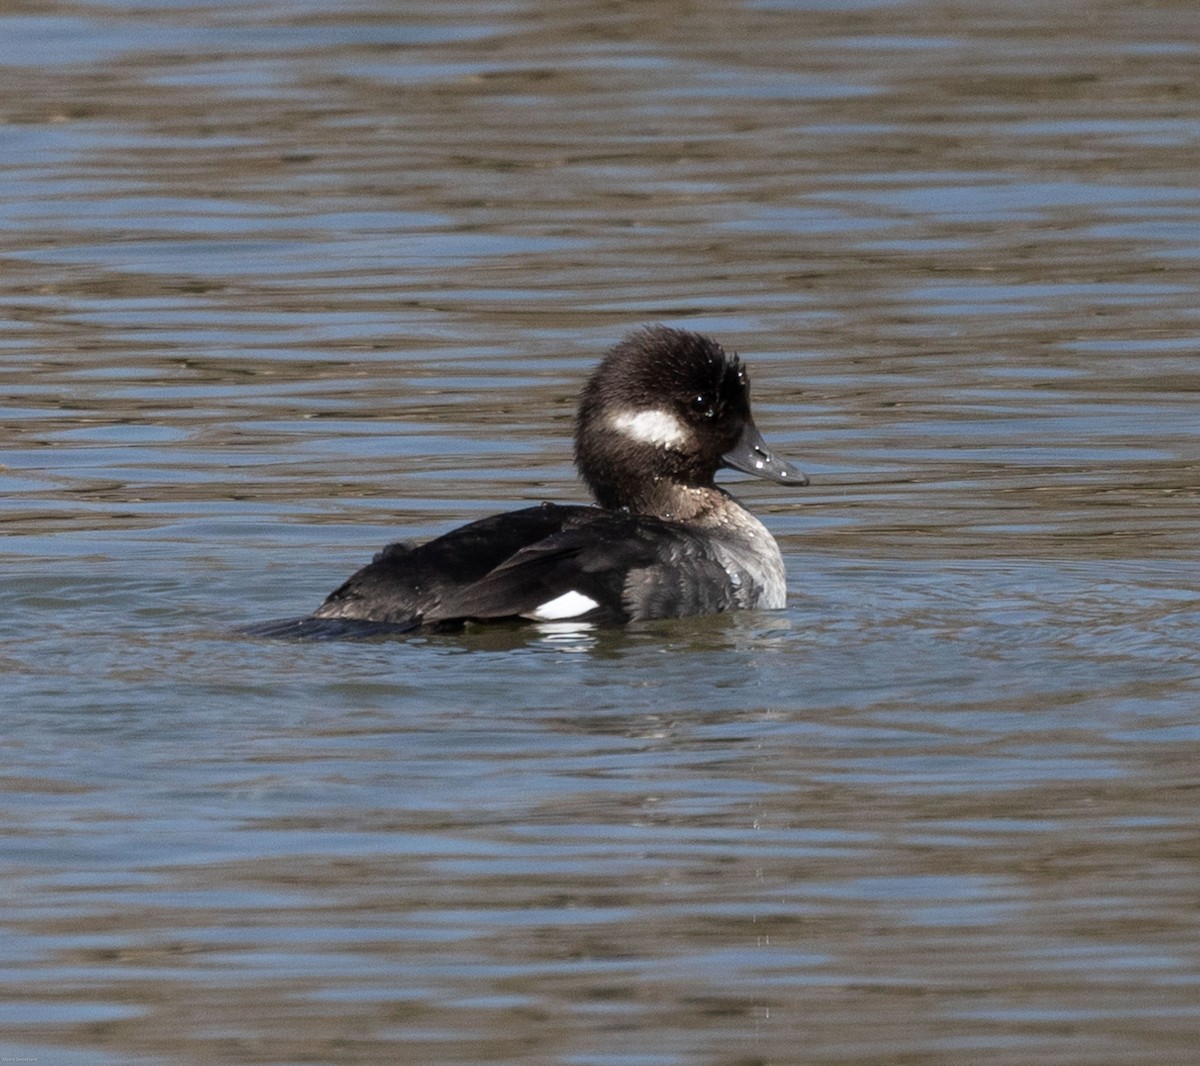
[313, 628]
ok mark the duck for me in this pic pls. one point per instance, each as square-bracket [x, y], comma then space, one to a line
[662, 413]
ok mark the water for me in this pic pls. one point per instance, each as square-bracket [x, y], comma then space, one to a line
[281, 283]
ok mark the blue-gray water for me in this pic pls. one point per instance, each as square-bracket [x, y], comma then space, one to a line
[282, 282]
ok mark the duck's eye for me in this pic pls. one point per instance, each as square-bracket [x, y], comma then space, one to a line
[703, 405]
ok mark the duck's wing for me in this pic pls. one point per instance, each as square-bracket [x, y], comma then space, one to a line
[605, 567]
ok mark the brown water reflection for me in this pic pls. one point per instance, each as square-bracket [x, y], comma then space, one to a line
[280, 281]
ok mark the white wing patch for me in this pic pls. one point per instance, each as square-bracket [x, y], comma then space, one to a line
[657, 427]
[568, 605]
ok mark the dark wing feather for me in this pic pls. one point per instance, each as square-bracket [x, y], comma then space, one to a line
[537, 575]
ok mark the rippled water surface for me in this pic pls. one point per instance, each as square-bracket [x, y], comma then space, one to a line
[283, 281]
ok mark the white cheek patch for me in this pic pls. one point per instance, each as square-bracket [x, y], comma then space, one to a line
[568, 605]
[657, 427]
